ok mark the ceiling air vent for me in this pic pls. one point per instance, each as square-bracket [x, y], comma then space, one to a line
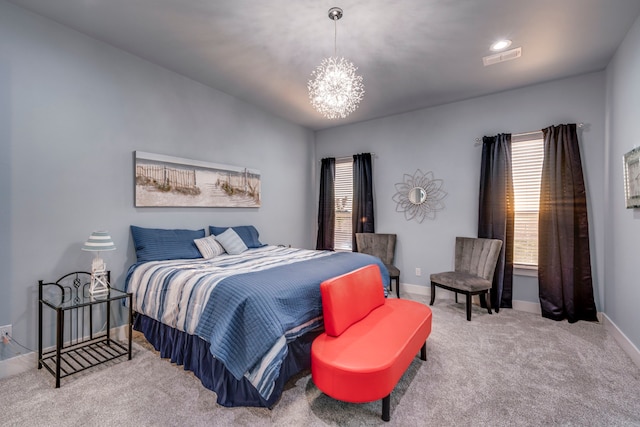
[507, 55]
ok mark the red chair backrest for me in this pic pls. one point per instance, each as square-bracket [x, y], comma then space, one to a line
[349, 298]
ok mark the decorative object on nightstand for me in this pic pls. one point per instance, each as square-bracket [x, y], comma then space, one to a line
[99, 241]
[419, 196]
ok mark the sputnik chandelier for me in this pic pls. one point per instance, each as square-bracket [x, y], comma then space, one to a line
[335, 89]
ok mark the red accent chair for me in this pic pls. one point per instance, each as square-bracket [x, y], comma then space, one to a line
[369, 341]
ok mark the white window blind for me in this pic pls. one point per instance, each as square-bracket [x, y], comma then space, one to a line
[527, 152]
[344, 198]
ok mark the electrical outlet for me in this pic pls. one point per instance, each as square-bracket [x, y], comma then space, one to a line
[5, 331]
[418, 272]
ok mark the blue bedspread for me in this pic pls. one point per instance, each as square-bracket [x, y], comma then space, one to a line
[247, 313]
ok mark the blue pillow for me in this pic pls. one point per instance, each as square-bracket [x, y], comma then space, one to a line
[247, 233]
[155, 244]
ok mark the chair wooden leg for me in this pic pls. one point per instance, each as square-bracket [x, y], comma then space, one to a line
[433, 293]
[456, 297]
[489, 302]
[398, 286]
[386, 408]
[469, 307]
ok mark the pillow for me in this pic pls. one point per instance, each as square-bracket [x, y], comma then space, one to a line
[231, 242]
[209, 247]
[247, 233]
[155, 244]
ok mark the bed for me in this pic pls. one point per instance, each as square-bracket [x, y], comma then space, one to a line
[241, 319]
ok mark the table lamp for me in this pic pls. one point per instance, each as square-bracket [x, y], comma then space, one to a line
[99, 241]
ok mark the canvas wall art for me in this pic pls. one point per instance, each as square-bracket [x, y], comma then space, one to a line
[632, 178]
[167, 181]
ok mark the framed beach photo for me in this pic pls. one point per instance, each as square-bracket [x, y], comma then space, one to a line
[167, 181]
[632, 178]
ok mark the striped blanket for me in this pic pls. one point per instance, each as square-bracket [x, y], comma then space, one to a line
[248, 306]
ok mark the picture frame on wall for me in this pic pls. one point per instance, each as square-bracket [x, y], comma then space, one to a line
[167, 181]
[632, 178]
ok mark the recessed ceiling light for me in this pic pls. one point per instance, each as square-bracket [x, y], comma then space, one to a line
[499, 45]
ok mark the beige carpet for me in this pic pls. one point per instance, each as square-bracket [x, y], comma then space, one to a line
[506, 369]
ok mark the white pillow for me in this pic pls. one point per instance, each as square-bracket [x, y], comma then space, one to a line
[231, 242]
[209, 247]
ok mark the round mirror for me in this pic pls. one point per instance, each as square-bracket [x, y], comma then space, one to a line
[417, 195]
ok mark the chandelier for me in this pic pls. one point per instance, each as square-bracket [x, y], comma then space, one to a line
[335, 89]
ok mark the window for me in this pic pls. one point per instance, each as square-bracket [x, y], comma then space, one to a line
[344, 198]
[527, 152]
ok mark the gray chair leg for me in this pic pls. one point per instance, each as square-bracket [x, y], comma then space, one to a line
[433, 293]
[489, 302]
[469, 307]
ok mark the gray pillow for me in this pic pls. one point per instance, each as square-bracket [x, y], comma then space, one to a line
[231, 242]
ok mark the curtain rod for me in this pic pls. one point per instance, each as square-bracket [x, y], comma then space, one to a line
[373, 155]
[478, 141]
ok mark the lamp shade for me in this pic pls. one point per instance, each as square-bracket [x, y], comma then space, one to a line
[99, 241]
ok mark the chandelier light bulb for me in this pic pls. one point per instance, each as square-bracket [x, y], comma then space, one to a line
[336, 89]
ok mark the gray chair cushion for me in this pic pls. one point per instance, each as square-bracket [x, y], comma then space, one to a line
[460, 280]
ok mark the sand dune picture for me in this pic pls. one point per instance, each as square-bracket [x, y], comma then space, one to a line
[166, 181]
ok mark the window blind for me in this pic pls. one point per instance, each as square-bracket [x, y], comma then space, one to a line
[344, 198]
[527, 152]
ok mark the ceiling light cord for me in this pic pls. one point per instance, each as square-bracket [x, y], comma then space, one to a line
[335, 36]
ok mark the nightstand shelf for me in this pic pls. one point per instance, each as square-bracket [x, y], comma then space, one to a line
[78, 346]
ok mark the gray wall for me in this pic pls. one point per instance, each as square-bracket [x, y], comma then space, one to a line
[441, 140]
[622, 291]
[73, 111]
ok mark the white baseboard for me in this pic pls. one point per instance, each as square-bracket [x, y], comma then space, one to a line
[25, 362]
[526, 306]
[18, 364]
[529, 307]
[622, 340]
[415, 289]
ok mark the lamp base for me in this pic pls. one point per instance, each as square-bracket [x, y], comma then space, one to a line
[99, 283]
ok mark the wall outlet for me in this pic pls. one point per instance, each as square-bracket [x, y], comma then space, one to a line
[418, 272]
[4, 331]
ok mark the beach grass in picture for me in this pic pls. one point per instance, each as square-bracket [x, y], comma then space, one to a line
[167, 181]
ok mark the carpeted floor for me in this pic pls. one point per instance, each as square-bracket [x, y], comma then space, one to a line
[506, 369]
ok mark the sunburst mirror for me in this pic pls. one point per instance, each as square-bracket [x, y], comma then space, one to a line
[419, 196]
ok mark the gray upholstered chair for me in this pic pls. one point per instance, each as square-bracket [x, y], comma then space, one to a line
[475, 265]
[382, 246]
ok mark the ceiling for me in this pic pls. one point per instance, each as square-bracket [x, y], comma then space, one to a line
[411, 53]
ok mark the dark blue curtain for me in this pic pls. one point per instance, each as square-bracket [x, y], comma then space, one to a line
[362, 214]
[496, 212]
[326, 205]
[564, 259]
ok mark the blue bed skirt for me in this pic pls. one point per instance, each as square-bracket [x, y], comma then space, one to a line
[193, 353]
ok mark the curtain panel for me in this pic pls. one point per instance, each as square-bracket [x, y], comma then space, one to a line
[362, 213]
[564, 259]
[496, 212]
[326, 205]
